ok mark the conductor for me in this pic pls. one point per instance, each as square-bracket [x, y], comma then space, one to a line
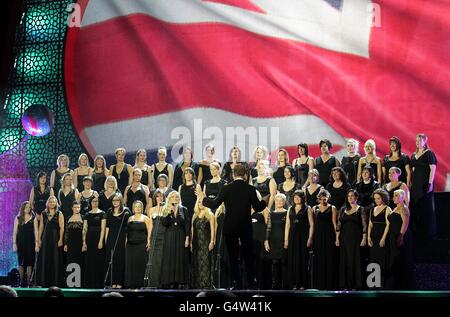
[239, 197]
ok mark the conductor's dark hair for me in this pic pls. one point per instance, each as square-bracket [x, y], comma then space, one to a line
[239, 170]
[54, 291]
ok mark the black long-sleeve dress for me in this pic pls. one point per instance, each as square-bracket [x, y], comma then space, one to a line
[136, 255]
[338, 194]
[422, 202]
[351, 227]
[50, 265]
[325, 168]
[298, 252]
[202, 258]
[25, 241]
[94, 257]
[379, 254]
[311, 198]
[65, 202]
[99, 180]
[174, 260]
[40, 199]
[324, 258]
[117, 230]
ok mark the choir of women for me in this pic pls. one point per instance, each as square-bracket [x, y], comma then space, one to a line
[130, 227]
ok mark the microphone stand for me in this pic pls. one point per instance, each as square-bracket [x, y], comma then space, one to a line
[110, 264]
[219, 258]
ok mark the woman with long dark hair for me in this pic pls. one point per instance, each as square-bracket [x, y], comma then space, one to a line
[188, 162]
[233, 159]
[187, 192]
[298, 241]
[395, 184]
[351, 237]
[39, 195]
[289, 186]
[397, 159]
[25, 241]
[115, 236]
[302, 164]
[338, 187]
[366, 187]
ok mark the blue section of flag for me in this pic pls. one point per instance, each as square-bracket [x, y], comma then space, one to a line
[337, 4]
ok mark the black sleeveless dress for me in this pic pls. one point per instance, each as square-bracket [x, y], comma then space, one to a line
[80, 178]
[338, 195]
[311, 198]
[105, 203]
[99, 180]
[373, 165]
[278, 175]
[263, 188]
[122, 178]
[202, 258]
[178, 174]
[401, 268]
[157, 172]
[58, 176]
[206, 172]
[400, 163]
[324, 259]
[391, 194]
[325, 168]
[65, 202]
[139, 194]
[289, 194]
[73, 239]
[276, 235]
[213, 189]
[156, 250]
[351, 229]
[94, 257]
[379, 254]
[136, 255]
[350, 166]
[117, 226]
[86, 203]
[301, 172]
[50, 265]
[298, 252]
[40, 199]
[25, 243]
[144, 178]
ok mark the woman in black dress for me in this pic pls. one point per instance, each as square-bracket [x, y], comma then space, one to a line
[39, 195]
[93, 242]
[214, 185]
[187, 192]
[204, 166]
[73, 236]
[87, 195]
[275, 242]
[99, 174]
[176, 241]
[202, 246]
[325, 239]
[66, 195]
[313, 188]
[366, 187]
[261, 153]
[107, 194]
[262, 265]
[137, 191]
[302, 164]
[158, 231]
[423, 163]
[115, 235]
[25, 234]
[162, 167]
[234, 158]
[81, 171]
[350, 162]
[338, 187]
[265, 184]
[372, 160]
[222, 270]
[378, 232]
[397, 159]
[394, 184]
[188, 162]
[289, 186]
[282, 162]
[325, 162]
[298, 240]
[121, 170]
[63, 168]
[141, 163]
[51, 238]
[351, 237]
[401, 266]
[137, 245]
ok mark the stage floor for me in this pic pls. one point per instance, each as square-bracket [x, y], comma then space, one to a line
[191, 293]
